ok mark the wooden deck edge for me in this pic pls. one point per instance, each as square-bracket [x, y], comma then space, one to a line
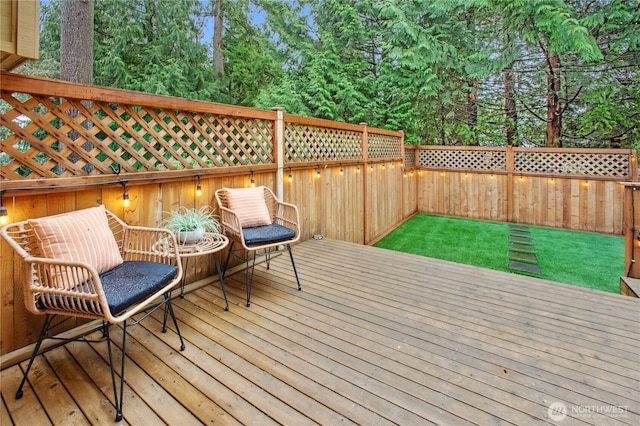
[12, 358]
[630, 286]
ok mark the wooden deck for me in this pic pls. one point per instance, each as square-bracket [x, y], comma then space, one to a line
[374, 337]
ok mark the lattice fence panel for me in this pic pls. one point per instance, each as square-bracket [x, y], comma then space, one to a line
[410, 157]
[48, 137]
[304, 143]
[384, 146]
[456, 159]
[572, 163]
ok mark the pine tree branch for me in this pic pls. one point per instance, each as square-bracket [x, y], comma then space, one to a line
[531, 111]
[566, 104]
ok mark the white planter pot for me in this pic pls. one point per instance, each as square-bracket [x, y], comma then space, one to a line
[190, 237]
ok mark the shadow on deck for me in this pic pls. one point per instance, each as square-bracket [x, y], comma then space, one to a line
[374, 337]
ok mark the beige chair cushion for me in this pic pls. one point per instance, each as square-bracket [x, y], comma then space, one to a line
[249, 205]
[80, 236]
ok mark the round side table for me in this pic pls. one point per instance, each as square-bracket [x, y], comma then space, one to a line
[211, 243]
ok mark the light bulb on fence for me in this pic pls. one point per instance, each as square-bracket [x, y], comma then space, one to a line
[125, 195]
[4, 216]
[198, 186]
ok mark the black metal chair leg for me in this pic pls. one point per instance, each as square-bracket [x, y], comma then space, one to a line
[221, 278]
[184, 277]
[294, 266]
[249, 277]
[41, 337]
[105, 329]
[164, 316]
[117, 396]
[169, 308]
[226, 262]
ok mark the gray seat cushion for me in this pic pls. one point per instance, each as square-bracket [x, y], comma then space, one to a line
[266, 234]
[133, 281]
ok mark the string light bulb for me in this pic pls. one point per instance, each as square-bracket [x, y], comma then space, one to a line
[253, 181]
[358, 169]
[341, 170]
[4, 215]
[125, 195]
[318, 171]
[198, 187]
[290, 175]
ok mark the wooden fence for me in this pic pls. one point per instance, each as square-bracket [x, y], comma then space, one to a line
[67, 146]
[564, 188]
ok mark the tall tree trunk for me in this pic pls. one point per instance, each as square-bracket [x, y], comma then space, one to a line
[472, 109]
[472, 95]
[554, 110]
[76, 41]
[510, 112]
[148, 23]
[218, 58]
[76, 58]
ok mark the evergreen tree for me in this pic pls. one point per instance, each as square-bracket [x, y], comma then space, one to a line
[487, 72]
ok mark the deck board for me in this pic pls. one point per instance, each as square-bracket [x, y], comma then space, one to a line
[374, 337]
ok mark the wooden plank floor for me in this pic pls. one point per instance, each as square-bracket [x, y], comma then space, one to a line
[374, 337]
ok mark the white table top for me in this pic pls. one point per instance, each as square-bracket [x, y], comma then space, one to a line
[210, 243]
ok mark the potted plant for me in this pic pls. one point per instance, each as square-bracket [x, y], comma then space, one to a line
[190, 224]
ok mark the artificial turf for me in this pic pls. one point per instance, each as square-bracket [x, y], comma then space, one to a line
[573, 257]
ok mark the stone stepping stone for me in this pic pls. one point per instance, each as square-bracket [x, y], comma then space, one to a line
[519, 227]
[524, 247]
[523, 256]
[520, 239]
[519, 233]
[524, 267]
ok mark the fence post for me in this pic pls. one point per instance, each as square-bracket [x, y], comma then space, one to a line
[631, 219]
[631, 228]
[365, 181]
[279, 143]
[402, 180]
[510, 169]
[633, 166]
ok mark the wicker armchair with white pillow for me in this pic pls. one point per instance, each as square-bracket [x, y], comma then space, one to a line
[260, 224]
[90, 264]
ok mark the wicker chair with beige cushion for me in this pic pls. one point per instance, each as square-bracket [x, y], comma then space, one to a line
[90, 264]
[260, 224]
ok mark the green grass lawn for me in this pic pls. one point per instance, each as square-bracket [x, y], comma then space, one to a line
[573, 257]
